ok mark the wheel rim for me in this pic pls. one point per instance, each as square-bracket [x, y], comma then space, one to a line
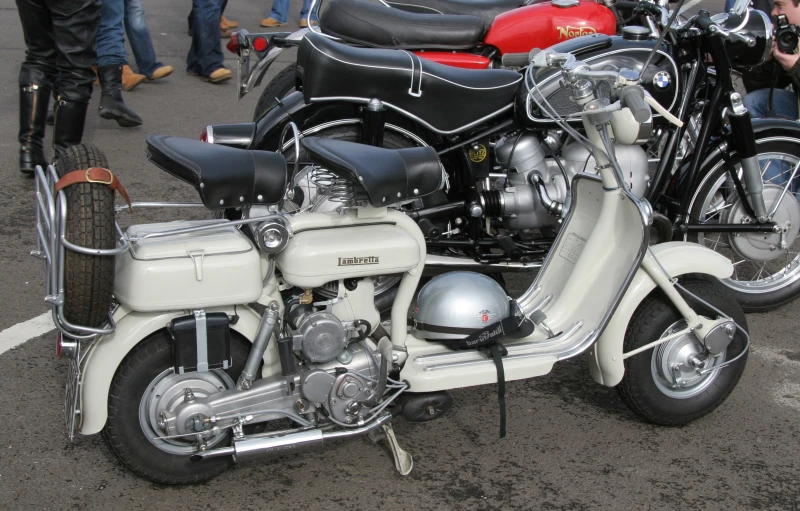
[751, 276]
[166, 392]
[674, 365]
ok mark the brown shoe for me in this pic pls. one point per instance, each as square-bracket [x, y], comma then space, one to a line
[220, 75]
[271, 22]
[225, 33]
[96, 79]
[304, 23]
[160, 72]
[130, 79]
[226, 23]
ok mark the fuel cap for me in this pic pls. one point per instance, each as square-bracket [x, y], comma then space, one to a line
[634, 33]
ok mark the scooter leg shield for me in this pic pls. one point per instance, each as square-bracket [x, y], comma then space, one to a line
[606, 364]
[108, 353]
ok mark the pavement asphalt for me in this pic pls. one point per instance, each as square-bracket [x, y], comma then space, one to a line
[572, 444]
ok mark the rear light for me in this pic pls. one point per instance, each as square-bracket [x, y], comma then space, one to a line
[260, 44]
[66, 347]
[207, 135]
[233, 43]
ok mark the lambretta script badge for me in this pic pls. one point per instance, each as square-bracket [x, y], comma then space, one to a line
[358, 261]
[569, 32]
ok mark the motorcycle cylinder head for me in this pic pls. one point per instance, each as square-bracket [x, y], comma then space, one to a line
[632, 161]
[520, 153]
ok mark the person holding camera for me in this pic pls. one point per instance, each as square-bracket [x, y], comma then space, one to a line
[785, 71]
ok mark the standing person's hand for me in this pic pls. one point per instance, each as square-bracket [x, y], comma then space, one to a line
[786, 60]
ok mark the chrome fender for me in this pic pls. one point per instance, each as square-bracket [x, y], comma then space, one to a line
[677, 258]
[107, 353]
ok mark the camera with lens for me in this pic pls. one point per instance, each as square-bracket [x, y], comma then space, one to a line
[786, 34]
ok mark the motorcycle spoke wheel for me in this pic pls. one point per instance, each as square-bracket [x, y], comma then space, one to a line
[765, 275]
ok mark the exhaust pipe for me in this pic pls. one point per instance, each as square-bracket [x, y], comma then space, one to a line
[462, 263]
[252, 447]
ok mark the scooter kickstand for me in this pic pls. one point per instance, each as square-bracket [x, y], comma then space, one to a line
[403, 461]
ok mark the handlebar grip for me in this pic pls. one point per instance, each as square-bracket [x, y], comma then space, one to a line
[633, 98]
[703, 20]
[515, 59]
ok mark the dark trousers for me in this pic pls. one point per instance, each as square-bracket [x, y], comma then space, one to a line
[205, 55]
[191, 13]
[59, 36]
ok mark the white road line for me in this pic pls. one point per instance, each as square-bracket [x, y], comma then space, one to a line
[691, 3]
[14, 336]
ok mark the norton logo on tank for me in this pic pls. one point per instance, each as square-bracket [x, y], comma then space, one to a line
[358, 261]
[570, 32]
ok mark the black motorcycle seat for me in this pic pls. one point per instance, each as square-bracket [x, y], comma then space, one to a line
[445, 99]
[388, 176]
[367, 24]
[225, 177]
[486, 9]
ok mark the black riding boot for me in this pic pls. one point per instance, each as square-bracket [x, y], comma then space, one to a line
[70, 117]
[33, 101]
[111, 104]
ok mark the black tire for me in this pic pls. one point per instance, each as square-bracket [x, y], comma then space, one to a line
[751, 298]
[88, 279]
[654, 316]
[282, 85]
[352, 133]
[122, 432]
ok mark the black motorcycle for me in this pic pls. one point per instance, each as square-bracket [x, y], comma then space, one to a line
[510, 169]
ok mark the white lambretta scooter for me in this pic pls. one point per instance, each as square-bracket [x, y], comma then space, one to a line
[215, 333]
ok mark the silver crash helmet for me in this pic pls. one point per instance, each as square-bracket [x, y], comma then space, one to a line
[457, 304]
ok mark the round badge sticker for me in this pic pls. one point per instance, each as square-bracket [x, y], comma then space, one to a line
[477, 153]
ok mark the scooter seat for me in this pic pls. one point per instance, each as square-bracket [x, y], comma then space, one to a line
[225, 177]
[388, 176]
[486, 9]
[445, 99]
[377, 26]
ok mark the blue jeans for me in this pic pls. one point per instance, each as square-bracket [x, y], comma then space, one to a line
[280, 10]
[784, 103]
[110, 43]
[139, 37]
[205, 54]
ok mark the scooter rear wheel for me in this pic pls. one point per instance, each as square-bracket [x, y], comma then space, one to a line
[661, 385]
[133, 439]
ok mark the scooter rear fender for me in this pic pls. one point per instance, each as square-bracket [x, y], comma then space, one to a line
[105, 357]
[677, 258]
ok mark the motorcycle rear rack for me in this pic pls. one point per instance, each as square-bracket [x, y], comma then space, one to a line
[51, 247]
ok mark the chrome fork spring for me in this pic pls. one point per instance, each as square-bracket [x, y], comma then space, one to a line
[336, 188]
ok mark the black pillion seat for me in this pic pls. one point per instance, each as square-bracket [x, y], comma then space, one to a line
[388, 176]
[446, 99]
[225, 177]
[486, 9]
[378, 26]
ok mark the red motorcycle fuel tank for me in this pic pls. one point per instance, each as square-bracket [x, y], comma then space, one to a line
[456, 59]
[544, 24]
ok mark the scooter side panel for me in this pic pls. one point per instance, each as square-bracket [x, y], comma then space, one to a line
[132, 327]
[677, 258]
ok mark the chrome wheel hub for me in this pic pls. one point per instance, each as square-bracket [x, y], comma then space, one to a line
[677, 365]
[165, 394]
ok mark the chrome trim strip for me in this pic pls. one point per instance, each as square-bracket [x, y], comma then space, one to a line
[412, 116]
[341, 122]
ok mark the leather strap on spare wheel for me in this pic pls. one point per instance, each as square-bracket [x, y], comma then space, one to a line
[97, 175]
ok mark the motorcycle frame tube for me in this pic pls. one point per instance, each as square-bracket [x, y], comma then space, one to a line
[107, 353]
[677, 258]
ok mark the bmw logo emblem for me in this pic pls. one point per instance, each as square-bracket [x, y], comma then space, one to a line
[662, 80]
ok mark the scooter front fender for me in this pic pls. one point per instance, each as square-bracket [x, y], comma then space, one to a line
[105, 356]
[677, 258]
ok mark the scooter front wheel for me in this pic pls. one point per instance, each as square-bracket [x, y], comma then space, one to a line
[664, 384]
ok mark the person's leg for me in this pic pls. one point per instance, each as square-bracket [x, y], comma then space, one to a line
[306, 7]
[36, 77]
[139, 37]
[205, 55]
[279, 14]
[784, 103]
